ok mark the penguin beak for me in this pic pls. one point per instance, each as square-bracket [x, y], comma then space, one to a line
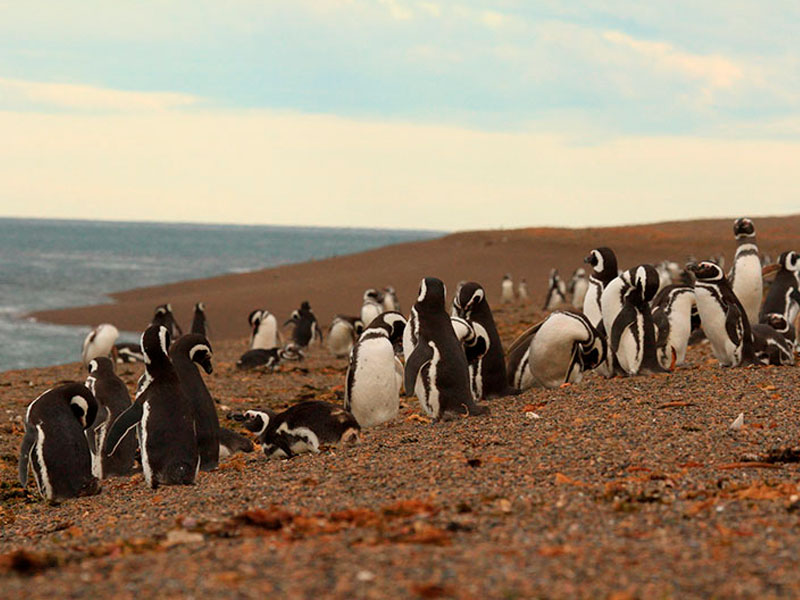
[208, 367]
[587, 259]
[692, 267]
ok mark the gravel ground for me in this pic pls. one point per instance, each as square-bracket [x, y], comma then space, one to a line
[622, 488]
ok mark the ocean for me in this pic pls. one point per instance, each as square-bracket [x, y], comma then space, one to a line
[48, 264]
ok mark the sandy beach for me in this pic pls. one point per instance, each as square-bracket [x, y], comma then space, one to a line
[616, 488]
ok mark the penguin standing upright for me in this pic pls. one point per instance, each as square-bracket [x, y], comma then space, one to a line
[54, 445]
[578, 286]
[188, 352]
[372, 306]
[522, 291]
[164, 316]
[783, 297]
[199, 320]
[113, 399]
[722, 317]
[555, 291]
[436, 369]
[372, 392]
[507, 289]
[99, 342]
[343, 333]
[264, 333]
[604, 270]
[672, 315]
[745, 276]
[471, 304]
[164, 417]
[306, 328]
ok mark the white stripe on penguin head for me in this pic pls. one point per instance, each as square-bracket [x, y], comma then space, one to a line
[163, 340]
[81, 403]
[423, 290]
[199, 348]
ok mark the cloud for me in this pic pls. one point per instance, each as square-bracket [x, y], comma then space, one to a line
[16, 92]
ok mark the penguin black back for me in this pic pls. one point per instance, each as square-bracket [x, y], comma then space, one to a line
[199, 320]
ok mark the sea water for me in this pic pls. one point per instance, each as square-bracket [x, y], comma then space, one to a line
[47, 264]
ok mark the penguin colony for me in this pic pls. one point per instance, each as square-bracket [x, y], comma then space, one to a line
[614, 322]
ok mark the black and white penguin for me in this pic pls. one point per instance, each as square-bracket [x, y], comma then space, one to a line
[390, 301]
[306, 328]
[128, 352]
[770, 347]
[628, 319]
[163, 416]
[199, 320]
[471, 304]
[304, 427]
[506, 289]
[522, 291]
[578, 286]
[372, 391]
[54, 445]
[722, 316]
[745, 276]
[99, 342]
[264, 333]
[436, 368]
[372, 305]
[259, 357]
[782, 326]
[783, 297]
[187, 353]
[604, 270]
[343, 333]
[113, 399]
[556, 291]
[164, 316]
[561, 348]
[672, 315]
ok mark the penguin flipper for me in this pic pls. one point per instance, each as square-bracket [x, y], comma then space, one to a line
[661, 322]
[25, 452]
[733, 324]
[419, 357]
[625, 318]
[123, 424]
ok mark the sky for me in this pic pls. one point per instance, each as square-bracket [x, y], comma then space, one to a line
[399, 113]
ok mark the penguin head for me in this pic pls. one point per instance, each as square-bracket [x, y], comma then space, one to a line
[468, 297]
[647, 280]
[431, 294]
[81, 401]
[706, 270]
[373, 295]
[603, 261]
[305, 307]
[358, 326]
[777, 321]
[790, 261]
[743, 228]
[199, 307]
[100, 366]
[393, 322]
[254, 420]
[201, 354]
[254, 318]
[155, 344]
[554, 278]
[579, 273]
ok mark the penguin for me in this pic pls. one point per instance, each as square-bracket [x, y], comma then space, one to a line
[306, 328]
[604, 269]
[99, 342]
[164, 316]
[471, 304]
[436, 368]
[264, 332]
[518, 359]
[54, 445]
[199, 320]
[578, 286]
[372, 306]
[390, 301]
[343, 333]
[259, 357]
[555, 291]
[507, 289]
[301, 428]
[113, 399]
[562, 347]
[783, 297]
[722, 316]
[372, 392]
[628, 319]
[745, 276]
[770, 347]
[163, 416]
[672, 315]
[187, 353]
[231, 442]
[128, 352]
[522, 291]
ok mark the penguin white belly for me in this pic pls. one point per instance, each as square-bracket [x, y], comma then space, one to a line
[398, 373]
[374, 396]
[551, 351]
[147, 470]
[712, 319]
[307, 440]
[425, 386]
[579, 293]
[99, 444]
[680, 328]
[611, 303]
[41, 475]
[507, 294]
[591, 303]
[370, 310]
[748, 285]
[340, 339]
[267, 336]
[631, 346]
